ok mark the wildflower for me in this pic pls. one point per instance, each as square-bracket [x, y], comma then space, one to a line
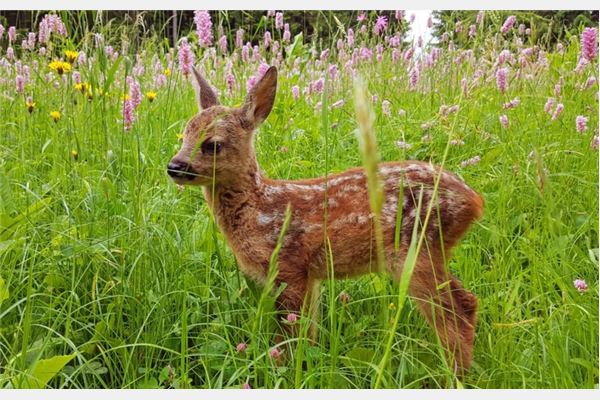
[414, 78]
[549, 104]
[275, 353]
[278, 20]
[250, 83]
[338, 104]
[20, 81]
[135, 93]
[186, 57]
[595, 142]
[557, 111]
[203, 27]
[12, 34]
[580, 285]
[324, 55]
[429, 22]
[361, 17]
[471, 161]
[399, 14]
[501, 82]
[385, 108]
[60, 67]
[74, 154]
[380, 24]
[590, 82]
[246, 385]
[402, 112]
[504, 120]
[241, 347]
[512, 104]
[29, 104]
[403, 145]
[344, 298]
[508, 24]
[267, 39]
[128, 116]
[71, 56]
[1, 31]
[270, 13]
[412, 18]
[296, 92]
[76, 77]
[391, 307]
[557, 89]
[589, 44]
[286, 33]
[292, 318]
[479, 19]
[55, 115]
[581, 123]
[457, 142]
[350, 37]
[151, 96]
[179, 136]
[472, 30]
[82, 87]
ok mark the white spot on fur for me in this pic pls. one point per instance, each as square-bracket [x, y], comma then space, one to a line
[264, 219]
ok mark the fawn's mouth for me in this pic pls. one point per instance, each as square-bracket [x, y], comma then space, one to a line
[190, 178]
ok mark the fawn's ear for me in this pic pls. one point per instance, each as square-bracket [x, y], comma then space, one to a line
[205, 96]
[260, 99]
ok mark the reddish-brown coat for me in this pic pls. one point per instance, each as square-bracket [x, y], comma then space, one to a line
[249, 209]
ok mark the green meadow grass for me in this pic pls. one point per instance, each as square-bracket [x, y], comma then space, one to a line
[104, 259]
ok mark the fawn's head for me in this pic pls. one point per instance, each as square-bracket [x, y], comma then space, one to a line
[217, 142]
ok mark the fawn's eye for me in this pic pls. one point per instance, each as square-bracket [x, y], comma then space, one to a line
[210, 147]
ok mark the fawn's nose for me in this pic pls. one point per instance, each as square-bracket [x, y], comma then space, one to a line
[178, 169]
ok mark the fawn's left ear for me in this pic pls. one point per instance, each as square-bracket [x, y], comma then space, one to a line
[205, 96]
[260, 99]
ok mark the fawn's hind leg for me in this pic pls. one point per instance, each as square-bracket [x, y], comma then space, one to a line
[448, 307]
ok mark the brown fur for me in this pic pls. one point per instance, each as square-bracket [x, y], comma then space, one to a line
[249, 209]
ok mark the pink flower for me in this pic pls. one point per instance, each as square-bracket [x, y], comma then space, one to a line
[385, 108]
[414, 78]
[296, 92]
[429, 22]
[241, 347]
[203, 27]
[412, 18]
[504, 120]
[279, 20]
[20, 81]
[12, 34]
[350, 37]
[399, 14]
[324, 55]
[589, 44]
[230, 81]
[512, 104]
[580, 285]
[287, 35]
[275, 353]
[246, 385]
[292, 318]
[581, 123]
[239, 38]
[403, 145]
[270, 13]
[128, 116]
[1, 31]
[338, 104]
[559, 109]
[380, 24]
[223, 44]
[267, 39]
[186, 57]
[361, 17]
[590, 82]
[472, 31]
[501, 80]
[549, 105]
[479, 19]
[508, 24]
[595, 142]
[471, 161]
[76, 77]
[250, 83]
[318, 85]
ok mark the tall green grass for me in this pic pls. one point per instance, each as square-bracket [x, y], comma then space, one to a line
[105, 260]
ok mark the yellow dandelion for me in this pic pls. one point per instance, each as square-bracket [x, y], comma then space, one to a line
[71, 56]
[60, 67]
[74, 154]
[167, 72]
[30, 105]
[82, 87]
[55, 115]
[151, 96]
[125, 96]
[179, 136]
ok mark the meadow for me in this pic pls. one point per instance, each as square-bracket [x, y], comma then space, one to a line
[112, 276]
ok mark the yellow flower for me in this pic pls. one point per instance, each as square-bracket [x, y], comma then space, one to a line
[392, 306]
[60, 67]
[167, 72]
[82, 87]
[151, 96]
[179, 136]
[55, 115]
[71, 56]
[30, 106]
[74, 154]
[125, 97]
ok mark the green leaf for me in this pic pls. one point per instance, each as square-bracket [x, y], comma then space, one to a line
[40, 373]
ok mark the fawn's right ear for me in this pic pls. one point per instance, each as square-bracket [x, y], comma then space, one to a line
[205, 96]
[259, 101]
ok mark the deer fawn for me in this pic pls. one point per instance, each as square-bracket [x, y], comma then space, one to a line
[249, 208]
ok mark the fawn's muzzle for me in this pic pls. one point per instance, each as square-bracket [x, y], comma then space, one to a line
[179, 169]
